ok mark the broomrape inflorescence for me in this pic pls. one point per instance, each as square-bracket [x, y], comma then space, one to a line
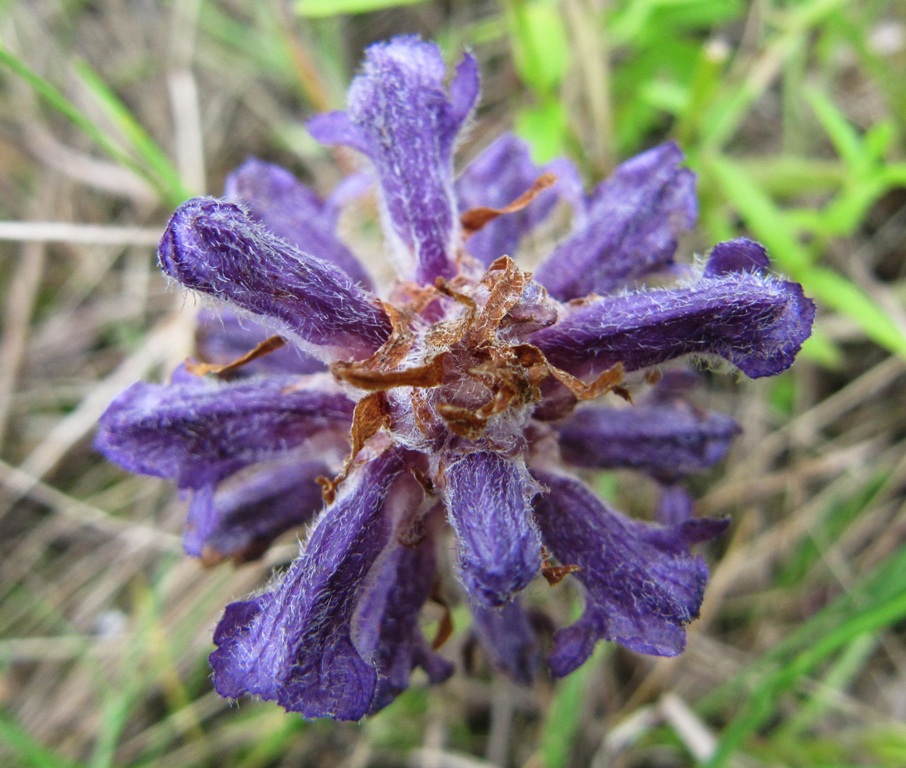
[461, 397]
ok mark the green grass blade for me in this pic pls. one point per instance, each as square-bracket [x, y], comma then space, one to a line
[738, 98]
[122, 695]
[762, 216]
[763, 701]
[895, 175]
[879, 138]
[541, 51]
[821, 350]
[564, 716]
[56, 100]
[876, 603]
[16, 740]
[562, 722]
[838, 129]
[835, 291]
[155, 159]
[321, 9]
[846, 212]
[706, 77]
[850, 663]
[544, 127]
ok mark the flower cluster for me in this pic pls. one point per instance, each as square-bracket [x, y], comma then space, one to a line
[459, 401]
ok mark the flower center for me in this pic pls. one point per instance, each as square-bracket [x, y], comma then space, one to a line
[470, 375]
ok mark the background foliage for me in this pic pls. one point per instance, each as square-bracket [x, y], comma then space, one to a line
[792, 112]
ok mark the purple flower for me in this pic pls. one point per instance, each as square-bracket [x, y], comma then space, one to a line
[452, 409]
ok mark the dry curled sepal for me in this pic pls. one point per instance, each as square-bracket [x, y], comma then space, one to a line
[630, 229]
[445, 625]
[401, 115]
[503, 285]
[505, 305]
[374, 379]
[385, 369]
[370, 416]
[222, 338]
[554, 574]
[608, 380]
[226, 370]
[474, 220]
[338, 635]
[488, 501]
[215, 247]
[293, 211]
[504, 178]
[754, 320]
[642, 585]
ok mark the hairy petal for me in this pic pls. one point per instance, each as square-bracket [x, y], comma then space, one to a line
[755, 321]
[630, 229]
[641, 584]
[293, 211]
[667, 440]
[388, 621]
[498, 176]
[337, 128]
[243, 514]
[402, 117]
[294, 644]
[222, 337]
[740, 255]
[674, 506]
[199, 432]
[508, 639]
[215, 247]
[489, 506]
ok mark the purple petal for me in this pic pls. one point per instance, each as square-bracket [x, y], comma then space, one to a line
[216, 248]
[489, 505]
[509, 640]
[337, 128]
[465, 89]
[294, 644]
[756, 322]
[641, 584]
[675, 506]
[222, 337]
[631, 227]
[738, 255]
[251, 508]
[401, 117]
[667, 441]
[389, 616]
[293, 211]
[200, 432]
[495, 179]
[348, 190]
